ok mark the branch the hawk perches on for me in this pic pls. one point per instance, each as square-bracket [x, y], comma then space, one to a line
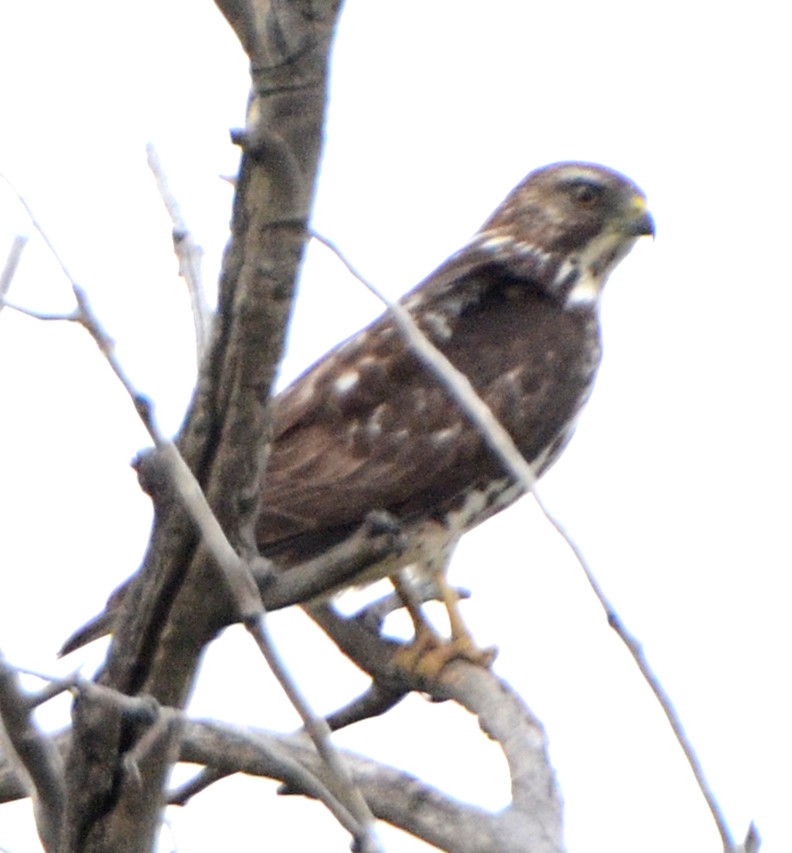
[369, 428]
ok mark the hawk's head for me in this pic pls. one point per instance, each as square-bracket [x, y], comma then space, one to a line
[566, 226]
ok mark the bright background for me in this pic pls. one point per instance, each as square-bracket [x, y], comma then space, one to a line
[675, 486]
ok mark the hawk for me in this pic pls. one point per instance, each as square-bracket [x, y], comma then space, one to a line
[369, 428]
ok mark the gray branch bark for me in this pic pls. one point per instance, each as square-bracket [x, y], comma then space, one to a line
[35, 759]
[531, 823]
[177, 603]
[114, 779]
[393, 795]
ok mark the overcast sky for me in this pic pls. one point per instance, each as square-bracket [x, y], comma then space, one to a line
[675, 486]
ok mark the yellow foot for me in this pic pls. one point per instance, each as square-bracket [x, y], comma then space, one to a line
[428, 654]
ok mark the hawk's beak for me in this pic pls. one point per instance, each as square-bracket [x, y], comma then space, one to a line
[639, 222]
[642, 226]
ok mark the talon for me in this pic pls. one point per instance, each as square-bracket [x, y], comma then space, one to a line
[427, 655]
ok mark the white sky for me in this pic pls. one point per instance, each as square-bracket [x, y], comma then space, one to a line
[675, 485]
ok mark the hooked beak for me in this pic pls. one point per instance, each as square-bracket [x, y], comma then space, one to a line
[639, 222]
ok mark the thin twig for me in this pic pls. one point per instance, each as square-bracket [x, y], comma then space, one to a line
[455, 382]
[200, 782]
[531, 822]
[252, 613]
[10, 266]
[44, 316]
[52, 686]
[343, 786]
[36, 754]
[377, 699]
[332, 569]
[35, 223]
[672, 716]
[160, 719]
[502, 444]
[236, 572]
[188, 253]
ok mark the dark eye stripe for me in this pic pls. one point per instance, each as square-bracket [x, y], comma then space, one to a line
[585, 190]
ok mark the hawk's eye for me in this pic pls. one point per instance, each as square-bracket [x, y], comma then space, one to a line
[586, 192]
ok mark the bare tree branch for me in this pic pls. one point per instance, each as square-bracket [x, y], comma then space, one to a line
[377, 700]
[175, 605]
[188, 253]
[35, 223]
[200, 782]
[161, 723]
[501, 443]
[376, 539]
[393, 795]
[9, 268]
[752, 841]
[664, 700]
[339, 780]
[335, 788]
[379, 536]
[36, 755]
[236, 574]
[534, 818]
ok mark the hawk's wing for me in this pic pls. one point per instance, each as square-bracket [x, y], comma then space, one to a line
[368, 427]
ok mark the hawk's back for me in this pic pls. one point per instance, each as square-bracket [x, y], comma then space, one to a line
[370, 428]
[516, 310]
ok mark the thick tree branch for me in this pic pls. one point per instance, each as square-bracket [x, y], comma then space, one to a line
[376, 538]
[533, 820]
[502, 445]
[177, 604]
[393, 795]
[38, 760]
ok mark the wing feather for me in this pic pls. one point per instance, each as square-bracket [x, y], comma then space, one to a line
[369, 428]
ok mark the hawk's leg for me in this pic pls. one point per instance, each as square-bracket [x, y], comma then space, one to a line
[428, 652]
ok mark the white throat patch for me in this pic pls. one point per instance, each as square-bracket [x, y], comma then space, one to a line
[592, 267]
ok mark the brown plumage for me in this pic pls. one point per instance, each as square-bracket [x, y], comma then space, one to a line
[516, 310]
[368, 428]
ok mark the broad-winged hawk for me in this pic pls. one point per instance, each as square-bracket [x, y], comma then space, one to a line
[516, 309]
